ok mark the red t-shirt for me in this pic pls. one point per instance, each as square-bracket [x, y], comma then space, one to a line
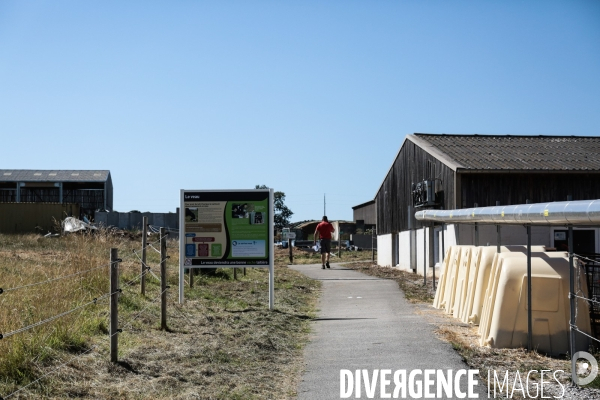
[325, 229]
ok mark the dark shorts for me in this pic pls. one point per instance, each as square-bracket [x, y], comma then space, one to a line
[325, 246]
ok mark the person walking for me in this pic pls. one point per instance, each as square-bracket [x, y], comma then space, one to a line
[324, 230]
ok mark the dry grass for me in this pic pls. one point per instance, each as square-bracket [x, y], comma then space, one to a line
[223, 343]
[311, 257]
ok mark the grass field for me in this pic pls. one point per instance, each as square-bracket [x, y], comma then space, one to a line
[223, 343]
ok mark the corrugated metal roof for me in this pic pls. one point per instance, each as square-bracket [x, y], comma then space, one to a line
[507, 152]
[367, 203]
[33, 175]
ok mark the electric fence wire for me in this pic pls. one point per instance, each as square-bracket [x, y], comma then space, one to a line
[156, 241]
[94, 301]
[156, 229]
[147, 266]
[586, 259]
[28, 327]
[580, 264]
[2, 291]
[155, 249]
[575, 328]
[129, 323]
[176, 307]
[137, 278]
[586, 299]
[53, 279]
[50, 372]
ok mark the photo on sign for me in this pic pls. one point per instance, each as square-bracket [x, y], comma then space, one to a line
[191, 214]
[257, 218]
[241, 210]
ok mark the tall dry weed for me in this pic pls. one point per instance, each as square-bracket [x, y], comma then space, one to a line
[29, 259]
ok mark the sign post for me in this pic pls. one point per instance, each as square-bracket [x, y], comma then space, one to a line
[226, 229]
[287, 235]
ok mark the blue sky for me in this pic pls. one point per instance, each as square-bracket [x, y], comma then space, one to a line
[307, 97]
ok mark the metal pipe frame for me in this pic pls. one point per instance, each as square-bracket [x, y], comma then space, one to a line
[563, 213]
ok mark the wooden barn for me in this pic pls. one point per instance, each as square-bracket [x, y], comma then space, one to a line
[365, 215]
[463, 171]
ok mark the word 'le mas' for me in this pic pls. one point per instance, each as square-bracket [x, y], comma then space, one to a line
[437, 384]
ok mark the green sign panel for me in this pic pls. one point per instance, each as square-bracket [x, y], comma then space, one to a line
[226, 228]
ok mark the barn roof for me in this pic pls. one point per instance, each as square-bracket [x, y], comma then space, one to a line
[35, 175]
[365, 204]
[514, 153]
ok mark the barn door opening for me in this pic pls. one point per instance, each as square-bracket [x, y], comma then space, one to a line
[584, 240]
[395, 249]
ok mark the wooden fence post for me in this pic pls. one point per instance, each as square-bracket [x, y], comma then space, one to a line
[291, 251]
[114, 305]
[144, 244]
[163, 279]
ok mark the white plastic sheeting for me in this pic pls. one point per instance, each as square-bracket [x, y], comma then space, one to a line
[72, 224]
[582, 212]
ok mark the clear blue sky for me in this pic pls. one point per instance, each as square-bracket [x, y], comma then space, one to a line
[307, 97]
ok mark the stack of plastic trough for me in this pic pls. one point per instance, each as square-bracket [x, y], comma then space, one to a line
[482, 287]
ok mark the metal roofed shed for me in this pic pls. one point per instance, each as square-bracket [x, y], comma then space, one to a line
[90, 189]
[474, 153]
[468, 171]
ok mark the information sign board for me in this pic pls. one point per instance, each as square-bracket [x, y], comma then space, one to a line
[225, 229]
[288, 235]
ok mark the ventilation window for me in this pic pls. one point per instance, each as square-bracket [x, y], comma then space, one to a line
[75, 174]
[37, 174]
[52, 174]
[8, 173]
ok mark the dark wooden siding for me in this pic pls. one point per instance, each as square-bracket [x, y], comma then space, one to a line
[413, 164]
[366, 213]
[516, 188]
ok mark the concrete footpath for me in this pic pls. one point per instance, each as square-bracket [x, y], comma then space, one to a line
[365, 322]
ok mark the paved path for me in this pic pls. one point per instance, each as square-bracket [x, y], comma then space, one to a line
[365, 323]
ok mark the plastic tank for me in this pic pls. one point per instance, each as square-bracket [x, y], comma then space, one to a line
[479, 274]
[492, 284]
[441, 284]
[452, 278]
[550, 306]
[462, 279]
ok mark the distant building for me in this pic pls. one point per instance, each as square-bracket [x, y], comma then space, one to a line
[91, 189]
[365, 216]
[305, 230]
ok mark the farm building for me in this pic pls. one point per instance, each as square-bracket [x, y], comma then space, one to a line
[464, 171]
[90, 189]
[305, 230]
[365, 215]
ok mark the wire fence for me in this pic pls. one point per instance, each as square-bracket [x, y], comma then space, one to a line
[589, 264]
[53, 279]
[124, 325]
[156, 229]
